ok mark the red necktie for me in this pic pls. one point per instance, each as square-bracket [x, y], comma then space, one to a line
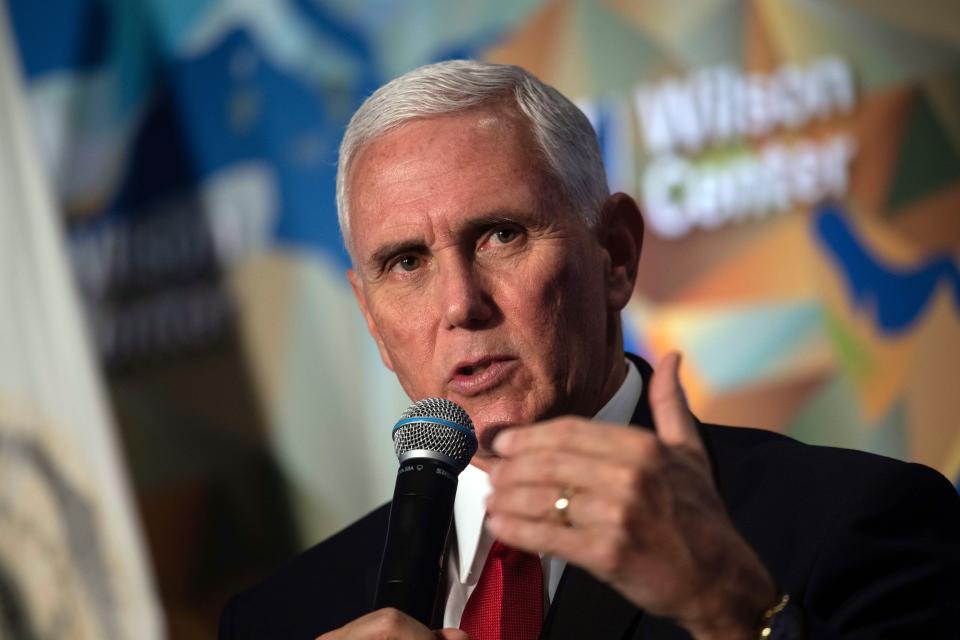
[507, 603]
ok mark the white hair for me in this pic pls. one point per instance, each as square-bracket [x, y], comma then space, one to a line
[563, 134]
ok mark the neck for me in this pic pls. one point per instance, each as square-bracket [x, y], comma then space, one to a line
[616, 374]
[616, 366]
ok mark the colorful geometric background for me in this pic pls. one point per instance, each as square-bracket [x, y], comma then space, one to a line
[192, 147]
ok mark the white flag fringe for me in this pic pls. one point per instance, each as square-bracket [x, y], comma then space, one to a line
[72, 562]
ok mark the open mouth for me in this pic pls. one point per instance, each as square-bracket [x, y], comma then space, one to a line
[480, 375]
[473, 369]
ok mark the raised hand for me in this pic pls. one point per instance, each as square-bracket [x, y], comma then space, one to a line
[644, 514]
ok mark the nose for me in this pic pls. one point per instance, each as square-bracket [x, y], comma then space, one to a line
[466, 301]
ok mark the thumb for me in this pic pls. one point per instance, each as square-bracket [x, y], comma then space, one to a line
[674, 422]
[451, 634]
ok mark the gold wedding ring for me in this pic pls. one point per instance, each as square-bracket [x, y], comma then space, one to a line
[561, 505]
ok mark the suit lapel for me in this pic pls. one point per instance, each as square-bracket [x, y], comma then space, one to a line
[584, 607]
[642, 417]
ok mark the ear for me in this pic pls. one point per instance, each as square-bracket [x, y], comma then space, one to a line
[620, 232]
[357, 287]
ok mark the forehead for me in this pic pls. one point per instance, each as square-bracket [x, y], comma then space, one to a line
[446, 164]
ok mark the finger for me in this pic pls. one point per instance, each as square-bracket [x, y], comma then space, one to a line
[535, 536]
[674, 422]
[452, 634]
[575, 435]
[563, 470]
[584, 509]
[528, 501]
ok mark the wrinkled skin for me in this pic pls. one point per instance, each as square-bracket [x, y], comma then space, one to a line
[481, 286]
[645, 515]
[464, 256]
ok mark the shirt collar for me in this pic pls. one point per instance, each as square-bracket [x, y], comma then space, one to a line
[474, 485]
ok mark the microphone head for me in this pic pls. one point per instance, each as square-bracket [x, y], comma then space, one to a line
[435, 428]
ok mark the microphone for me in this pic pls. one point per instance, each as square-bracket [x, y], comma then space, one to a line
[434, 441]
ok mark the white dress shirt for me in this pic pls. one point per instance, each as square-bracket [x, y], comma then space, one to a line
[473, 541]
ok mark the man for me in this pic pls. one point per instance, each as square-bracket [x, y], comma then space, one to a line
[491, 265]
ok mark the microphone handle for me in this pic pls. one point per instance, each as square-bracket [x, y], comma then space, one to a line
[417, 533]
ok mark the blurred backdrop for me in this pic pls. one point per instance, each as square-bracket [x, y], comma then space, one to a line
[187, 392]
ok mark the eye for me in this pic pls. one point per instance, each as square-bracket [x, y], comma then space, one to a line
[408, 262]
[502, 237]
[505, 235]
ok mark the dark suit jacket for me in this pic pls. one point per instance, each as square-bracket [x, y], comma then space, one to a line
[868, 547]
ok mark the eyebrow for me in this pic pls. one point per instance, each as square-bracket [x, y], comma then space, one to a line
[473, 226]
[387, 251]
[492, 219]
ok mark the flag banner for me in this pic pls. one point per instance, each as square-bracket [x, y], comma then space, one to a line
[72, 563]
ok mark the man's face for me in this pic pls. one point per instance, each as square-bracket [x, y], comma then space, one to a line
[477, 283]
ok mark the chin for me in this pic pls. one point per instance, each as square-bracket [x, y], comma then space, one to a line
[496, 415]
[487, 432]
[488, 425]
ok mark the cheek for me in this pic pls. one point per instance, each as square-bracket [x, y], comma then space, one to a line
[556, 305]
[404, 331]
[576, 295]
[578, 317]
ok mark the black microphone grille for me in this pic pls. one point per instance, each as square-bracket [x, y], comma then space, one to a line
[435, 428]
